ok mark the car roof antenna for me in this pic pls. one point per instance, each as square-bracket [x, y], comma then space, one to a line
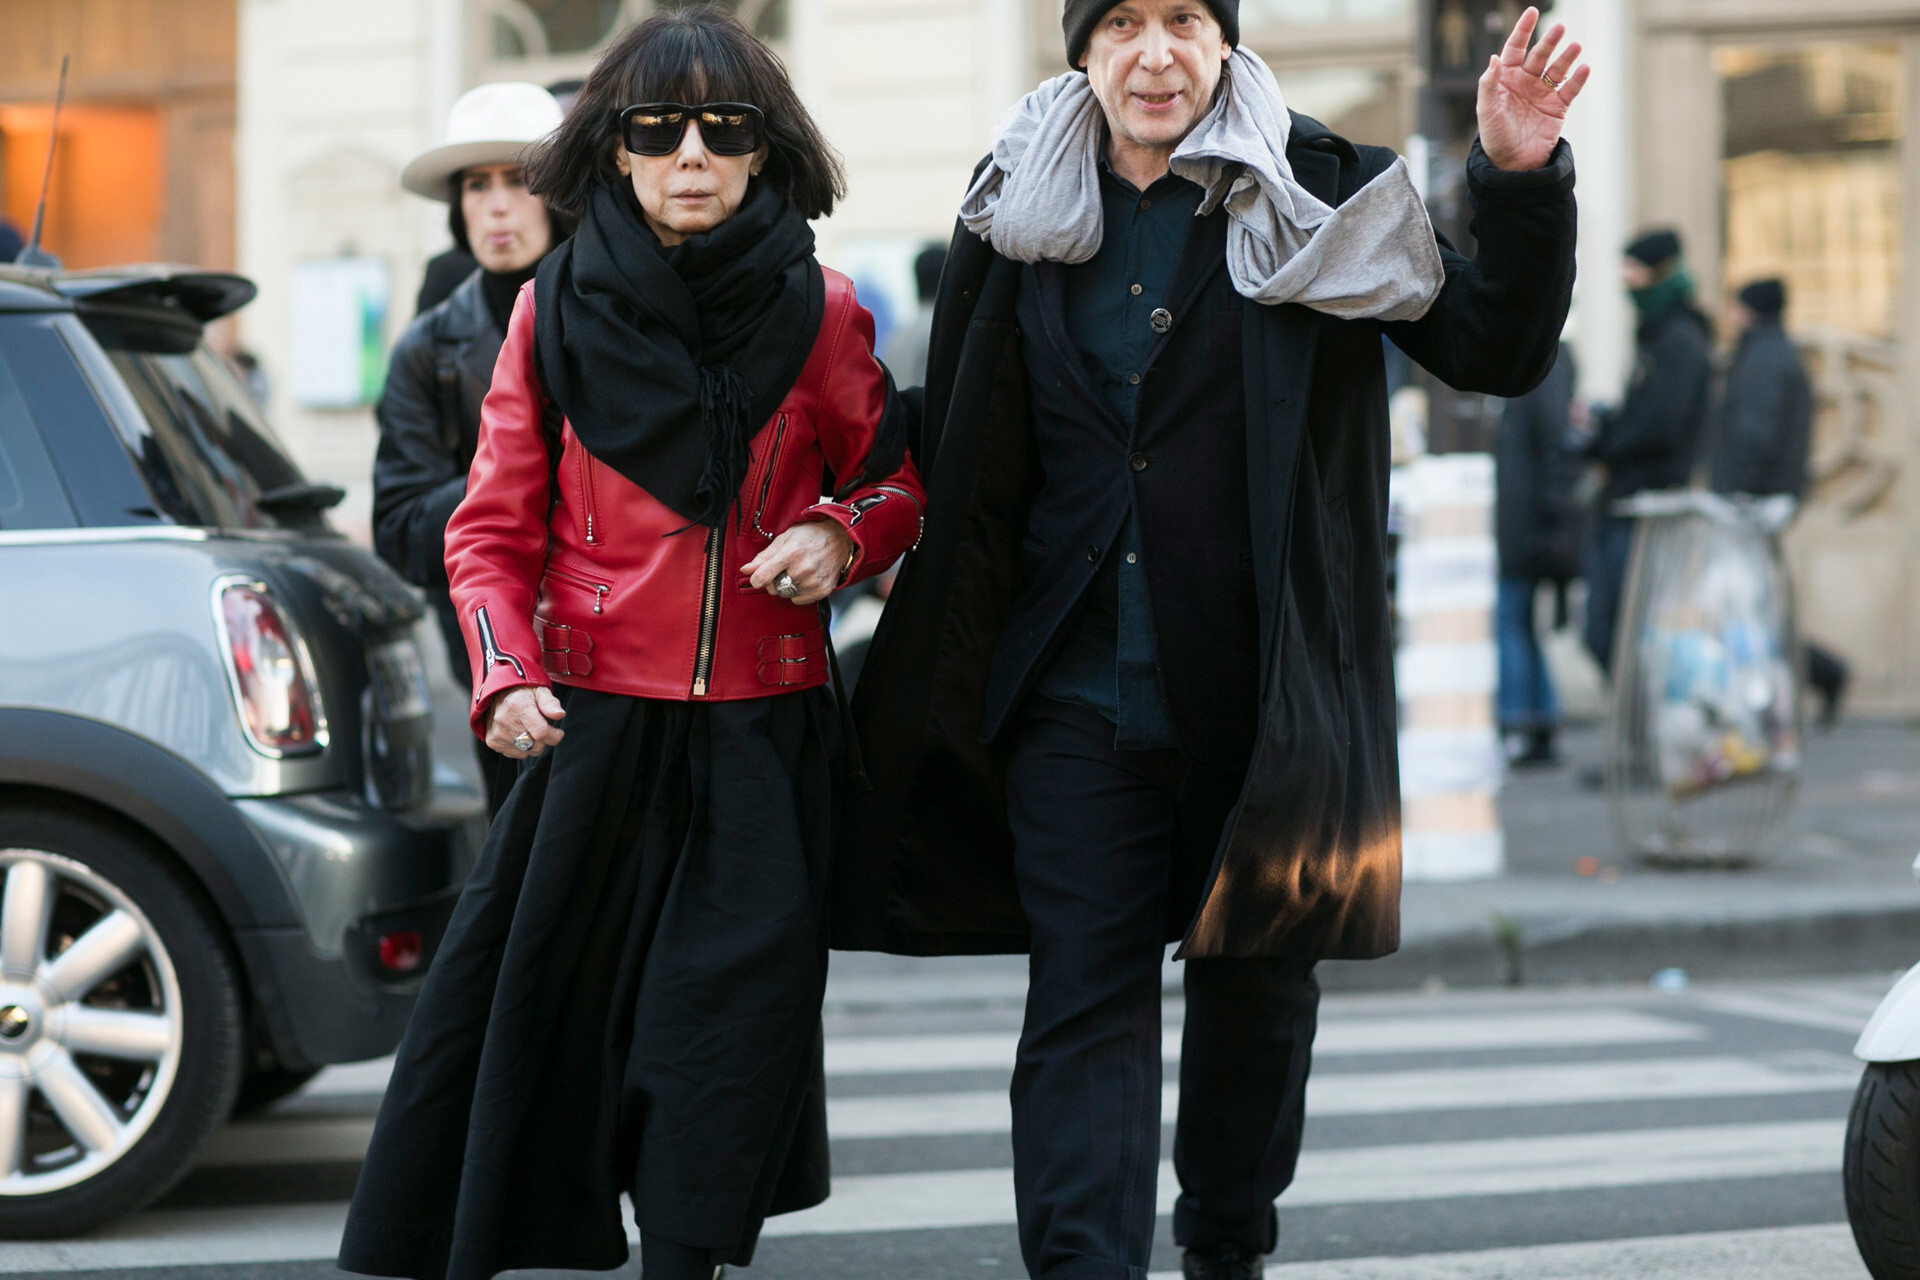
[32, 255]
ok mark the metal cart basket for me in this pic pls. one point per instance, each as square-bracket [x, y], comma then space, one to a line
[1704, 750]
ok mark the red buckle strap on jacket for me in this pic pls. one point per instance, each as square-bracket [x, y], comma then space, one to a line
[603, 587]
[564, 650]
[791, 660]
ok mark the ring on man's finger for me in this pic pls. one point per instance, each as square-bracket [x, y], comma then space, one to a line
[1551, 83]
[523, 743]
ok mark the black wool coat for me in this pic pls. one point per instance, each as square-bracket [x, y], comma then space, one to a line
[1537, 524]
[1652, 439]
[429, 416]
[1309, 862]
[1765, 422]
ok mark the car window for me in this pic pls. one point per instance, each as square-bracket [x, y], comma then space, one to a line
[31, 496]
[206, 453]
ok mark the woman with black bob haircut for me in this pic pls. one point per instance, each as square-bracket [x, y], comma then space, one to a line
[627, 997]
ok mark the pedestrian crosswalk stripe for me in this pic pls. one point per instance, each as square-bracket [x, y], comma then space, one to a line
[1571, 1028]
[1783, 1007]
[1395, 1092]
[1779, 1253]
[290, 1141]
[189, 1238]
[1374, 1175]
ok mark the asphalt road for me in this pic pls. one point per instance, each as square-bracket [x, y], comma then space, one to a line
[1519, 1135]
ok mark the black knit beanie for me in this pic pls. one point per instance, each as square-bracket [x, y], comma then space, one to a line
[1081, 16]
[1766, 298]
[1655, 248]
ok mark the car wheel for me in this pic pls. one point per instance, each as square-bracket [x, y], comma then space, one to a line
[265, 1086]
[120, 1026]
[1881, 1170]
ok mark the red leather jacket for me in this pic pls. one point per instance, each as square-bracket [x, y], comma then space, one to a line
[594, 593]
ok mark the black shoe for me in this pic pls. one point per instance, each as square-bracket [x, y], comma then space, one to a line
[1220, 1264]
[1539, 753]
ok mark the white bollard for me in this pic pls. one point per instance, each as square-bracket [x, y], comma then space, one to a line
[1447, 668]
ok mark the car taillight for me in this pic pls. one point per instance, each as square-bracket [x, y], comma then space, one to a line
[401, 951]
[271, 678]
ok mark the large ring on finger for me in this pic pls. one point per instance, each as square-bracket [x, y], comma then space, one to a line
[523, 743]
[1550, 82]
[785, 587]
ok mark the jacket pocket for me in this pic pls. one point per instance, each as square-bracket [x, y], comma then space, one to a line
[589, 516]
[579, 584]
[760, 487]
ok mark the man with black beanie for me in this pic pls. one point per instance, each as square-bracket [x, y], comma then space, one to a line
[1763, 432]
[1651, 440]
[1136, 683]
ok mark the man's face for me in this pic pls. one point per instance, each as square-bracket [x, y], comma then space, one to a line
[1154, 65]
[1635, 274]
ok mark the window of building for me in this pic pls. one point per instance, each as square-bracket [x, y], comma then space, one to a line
[1811, 172]
[527, 30]
[1304, 13]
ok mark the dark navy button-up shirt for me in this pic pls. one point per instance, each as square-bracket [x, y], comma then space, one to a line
[1108, 659]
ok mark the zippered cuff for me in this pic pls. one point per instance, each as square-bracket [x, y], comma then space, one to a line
[498, 665]
[884, 522]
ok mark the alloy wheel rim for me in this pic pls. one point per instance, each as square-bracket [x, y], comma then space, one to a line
[90, 1022]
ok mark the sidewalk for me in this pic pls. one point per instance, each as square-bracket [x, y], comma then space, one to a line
[1837, 898]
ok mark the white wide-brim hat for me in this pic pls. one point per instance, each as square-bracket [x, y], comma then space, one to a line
[489, 125]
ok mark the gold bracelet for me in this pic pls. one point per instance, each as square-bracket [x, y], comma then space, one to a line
[853, 553]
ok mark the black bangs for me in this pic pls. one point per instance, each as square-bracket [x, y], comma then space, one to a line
[691, 55]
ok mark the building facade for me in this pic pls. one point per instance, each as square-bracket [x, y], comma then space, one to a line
[1770, 133]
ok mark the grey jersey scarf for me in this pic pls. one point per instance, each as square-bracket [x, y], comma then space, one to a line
[1373, 257]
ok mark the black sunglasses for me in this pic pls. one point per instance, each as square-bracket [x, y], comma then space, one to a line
[728, 128]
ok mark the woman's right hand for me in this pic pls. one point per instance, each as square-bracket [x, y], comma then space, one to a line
[524, 709]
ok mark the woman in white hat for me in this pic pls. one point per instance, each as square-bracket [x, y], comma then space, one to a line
[429, 414]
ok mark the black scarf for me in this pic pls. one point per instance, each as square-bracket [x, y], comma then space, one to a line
[668, 360]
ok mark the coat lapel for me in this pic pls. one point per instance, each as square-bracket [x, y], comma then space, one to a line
[1051, 280]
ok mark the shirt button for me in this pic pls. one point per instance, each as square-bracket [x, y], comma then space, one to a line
[1133, 379]
[1161, 319]
[1134, 290]
[1093, 554]
[1145, 203]
[1132, 558]
[1138, 462]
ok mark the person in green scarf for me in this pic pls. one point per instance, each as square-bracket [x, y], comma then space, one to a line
[1650, 441]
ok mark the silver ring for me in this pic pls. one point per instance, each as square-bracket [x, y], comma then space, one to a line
[1551, 83]
[785, 587]
[523, 743]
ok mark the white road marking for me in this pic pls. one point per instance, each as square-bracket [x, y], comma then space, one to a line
[1782, 1007]
[1395, 1092]
[1569, 1028]
[1376, 1175]
[189, 1237]
[1782, 1253]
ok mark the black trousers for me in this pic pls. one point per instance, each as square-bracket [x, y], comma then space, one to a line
[1111, 850]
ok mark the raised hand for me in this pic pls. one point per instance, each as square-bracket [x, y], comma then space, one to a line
[1525, 93]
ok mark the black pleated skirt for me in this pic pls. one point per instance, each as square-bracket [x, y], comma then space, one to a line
[627, 999]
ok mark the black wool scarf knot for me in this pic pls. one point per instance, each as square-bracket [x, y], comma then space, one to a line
[667, 361]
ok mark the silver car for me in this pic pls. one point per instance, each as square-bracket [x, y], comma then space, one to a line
[228, 848]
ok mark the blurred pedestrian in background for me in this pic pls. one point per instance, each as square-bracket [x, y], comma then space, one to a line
[627, 1000]
[906, 353]
[11, 242]
[1652, 439]
[445, 270]
[429, 410]
[1763, 433]
[1538, 526]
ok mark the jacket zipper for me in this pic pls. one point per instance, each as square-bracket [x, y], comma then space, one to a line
[586, 498]
[599, 589]
[709, 612]
[766, 476]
